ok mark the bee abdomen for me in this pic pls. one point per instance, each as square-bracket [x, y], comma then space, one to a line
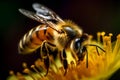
[34, 38]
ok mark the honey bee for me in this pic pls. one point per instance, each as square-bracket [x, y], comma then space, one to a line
[53, 33]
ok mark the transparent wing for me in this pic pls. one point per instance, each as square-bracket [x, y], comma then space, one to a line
[45, 12]
[43, 15]
[32, 15]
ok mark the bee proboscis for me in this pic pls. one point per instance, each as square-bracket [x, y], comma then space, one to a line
[53, 34]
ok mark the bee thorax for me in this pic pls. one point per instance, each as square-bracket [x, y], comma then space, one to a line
[61, 41]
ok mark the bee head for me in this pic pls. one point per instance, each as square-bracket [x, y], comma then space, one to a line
[77, 45]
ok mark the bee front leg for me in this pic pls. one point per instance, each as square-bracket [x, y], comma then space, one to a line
[82, 54]
[64, 60]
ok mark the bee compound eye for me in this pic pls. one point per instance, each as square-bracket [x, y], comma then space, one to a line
[76, 45]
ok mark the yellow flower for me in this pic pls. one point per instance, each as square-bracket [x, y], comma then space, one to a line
[101, 65]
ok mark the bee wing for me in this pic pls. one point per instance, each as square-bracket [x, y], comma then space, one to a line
[32, 15]
[45, 12]
[43, 15]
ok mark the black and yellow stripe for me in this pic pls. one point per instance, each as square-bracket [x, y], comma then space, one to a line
[34, 38]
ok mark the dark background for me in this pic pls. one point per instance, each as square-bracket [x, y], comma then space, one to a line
[91, 15]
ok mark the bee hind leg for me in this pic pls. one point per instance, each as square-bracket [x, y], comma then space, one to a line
[45, 54]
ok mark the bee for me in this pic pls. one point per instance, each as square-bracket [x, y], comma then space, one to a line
[53, 33]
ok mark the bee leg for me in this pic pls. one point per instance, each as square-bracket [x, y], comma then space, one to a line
[64, 60]
[81, 55]
[45, 50]
[47, 64]
[44, 53]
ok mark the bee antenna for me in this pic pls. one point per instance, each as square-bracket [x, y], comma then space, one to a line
[86, 58]
[84, 48]
[96, 47]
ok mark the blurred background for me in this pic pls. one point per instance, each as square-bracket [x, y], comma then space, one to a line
[91, 15]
